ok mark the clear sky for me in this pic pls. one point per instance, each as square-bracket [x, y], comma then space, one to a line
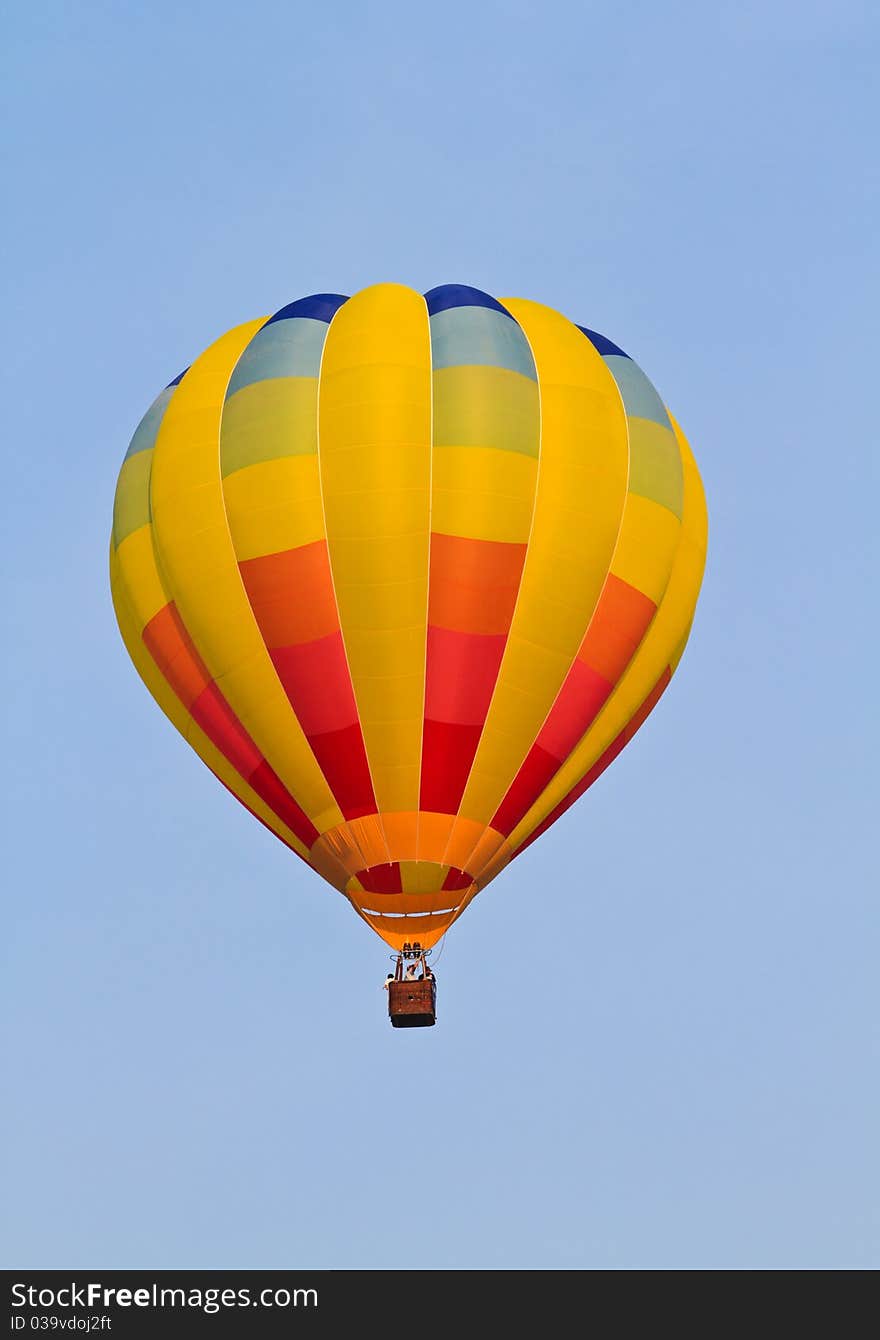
[657, 1040]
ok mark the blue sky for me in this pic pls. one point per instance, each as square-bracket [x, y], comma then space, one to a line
[657, 1041]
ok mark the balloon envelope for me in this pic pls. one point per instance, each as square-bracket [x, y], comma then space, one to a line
[408, 572]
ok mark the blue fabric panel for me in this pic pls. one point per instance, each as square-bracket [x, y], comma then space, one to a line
[320, 307]
[600, 343]
[460, 295]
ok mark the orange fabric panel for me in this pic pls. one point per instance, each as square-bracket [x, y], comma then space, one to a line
[171, 647]
[395, 931]
[474, 583]
[434, 833]
[617, 627]
[402, 833]
[291, 594]
[405, 904]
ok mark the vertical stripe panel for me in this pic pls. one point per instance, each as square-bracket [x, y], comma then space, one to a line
[271, 489]
[640, 569]
[582, 482]
[486, 439]
[646, 669]
[374, 453]
[161, 633]
[199, 562]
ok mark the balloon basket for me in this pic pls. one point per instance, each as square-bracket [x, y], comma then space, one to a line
[412, 1004]
[412, 1001]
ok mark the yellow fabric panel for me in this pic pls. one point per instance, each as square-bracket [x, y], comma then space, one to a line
[582, 483]
[658, 648]
[136, 563]
[679, 650]
[424, 877]
[700, 533]
[482, 406]
[199, 563]
[363, 472]
[177, 714]
[384, 553]
[390, 605]
[645, 553]
[274, 506]
[480, 493]
[374, 451]
[279, 414]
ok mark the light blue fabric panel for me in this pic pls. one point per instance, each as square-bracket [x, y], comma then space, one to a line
[639, 397]
[147, 430]
[479, 335]
[290, 348]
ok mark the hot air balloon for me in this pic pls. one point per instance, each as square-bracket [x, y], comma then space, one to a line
[408, 572]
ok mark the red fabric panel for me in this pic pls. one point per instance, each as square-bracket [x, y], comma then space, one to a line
[342, 758]
[527, 785]
[460, 676]
[270, 788]
[576, 707]
[456, 880]
[472, 595]
[223, 728]
[381, 879]
[447, 754]
[316, 680]
[606, 759]
[577, 704]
